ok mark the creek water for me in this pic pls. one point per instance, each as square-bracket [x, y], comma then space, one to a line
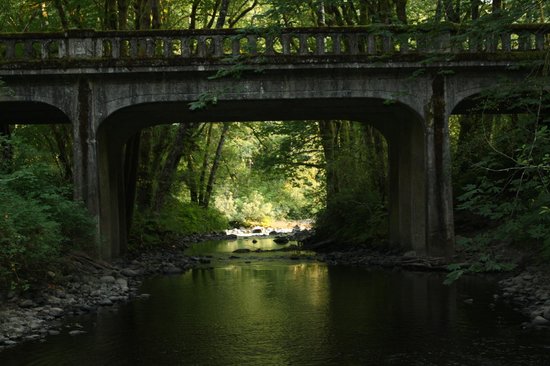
[268, 309]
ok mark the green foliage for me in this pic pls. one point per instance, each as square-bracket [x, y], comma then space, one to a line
[38, 219]
[354, 218]
[484, 263]
[154, 230]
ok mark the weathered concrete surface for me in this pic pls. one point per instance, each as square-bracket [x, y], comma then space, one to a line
[106, 105]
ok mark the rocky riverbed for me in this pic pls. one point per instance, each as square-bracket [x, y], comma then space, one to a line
[91, 285]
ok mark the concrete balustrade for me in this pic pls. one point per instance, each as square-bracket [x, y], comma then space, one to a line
[300, 42]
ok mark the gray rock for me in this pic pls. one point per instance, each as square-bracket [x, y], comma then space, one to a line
[76, 332]
[105, 302]
[32, 337]
[107, 279]
[27, 304]
[53, 332]
[129, 272]
[539, 320]
[54, 300]
[56, 312]
[10, 343]
[122, 283]
[546, 313]
[171, 270]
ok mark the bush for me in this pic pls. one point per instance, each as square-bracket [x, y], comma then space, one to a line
[354, 218]
[38, 220]
[151, 230]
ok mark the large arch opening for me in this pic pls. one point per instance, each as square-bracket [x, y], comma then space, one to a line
[401, 127]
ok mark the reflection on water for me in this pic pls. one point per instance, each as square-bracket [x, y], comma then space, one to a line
[287, 313]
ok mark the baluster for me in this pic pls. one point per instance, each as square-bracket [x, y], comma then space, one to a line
[353, 48]
[62, 48]
[539, 36]
[404, 43]
[115, 48]
[371, 44]
[444, 42]
[269, 45]
[252, 46]
[218, 46]
[201, 46]
[150, 44]
[506, 38]
[524, 41]
[44, 46]
[491, 43]
[167, 48]
[235, 46]
[185, 47]
[320, 44]
[28, 49]
[98, 48]
[387, 44]
[134, 45]
[10, 49]
[336, 44]
[285, 40]
[303, 49]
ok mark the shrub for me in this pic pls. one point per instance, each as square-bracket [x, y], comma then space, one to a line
[38, 220]
[151, 230]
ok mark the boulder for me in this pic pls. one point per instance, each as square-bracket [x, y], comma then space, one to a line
[281, 240]
[107, 279]
[242, 250]
[539, 320]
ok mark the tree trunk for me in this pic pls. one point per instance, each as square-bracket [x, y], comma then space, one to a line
[155, 14]
[122, 14]
[63, 142]
[328, 132]
[191, 181]
[474, 9]
[452, 13]
[193, 15]
[401, 10]
[62, 15]
[223, 14]
[110, 15]
[215, 165]
[131, 164]
[169, 168]
[202, 188]
[144, 175]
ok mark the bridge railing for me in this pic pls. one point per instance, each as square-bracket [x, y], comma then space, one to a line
[304, 42]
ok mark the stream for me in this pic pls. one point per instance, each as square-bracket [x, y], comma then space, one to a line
[285, 308]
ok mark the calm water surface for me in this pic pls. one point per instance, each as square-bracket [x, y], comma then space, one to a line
[265, 309]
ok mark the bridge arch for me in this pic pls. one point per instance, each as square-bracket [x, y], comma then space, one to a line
[402, 126]
[18, 110]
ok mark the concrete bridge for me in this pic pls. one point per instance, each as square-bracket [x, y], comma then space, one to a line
[406, 81]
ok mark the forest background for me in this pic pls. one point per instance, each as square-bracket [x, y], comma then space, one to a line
[197, 177]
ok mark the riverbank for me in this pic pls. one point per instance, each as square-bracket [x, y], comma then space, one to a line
[87, 286]
[527, 288]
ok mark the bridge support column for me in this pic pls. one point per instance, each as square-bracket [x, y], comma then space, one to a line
[439, 199]
[112, 215]
[98, 174]
[407, 185]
